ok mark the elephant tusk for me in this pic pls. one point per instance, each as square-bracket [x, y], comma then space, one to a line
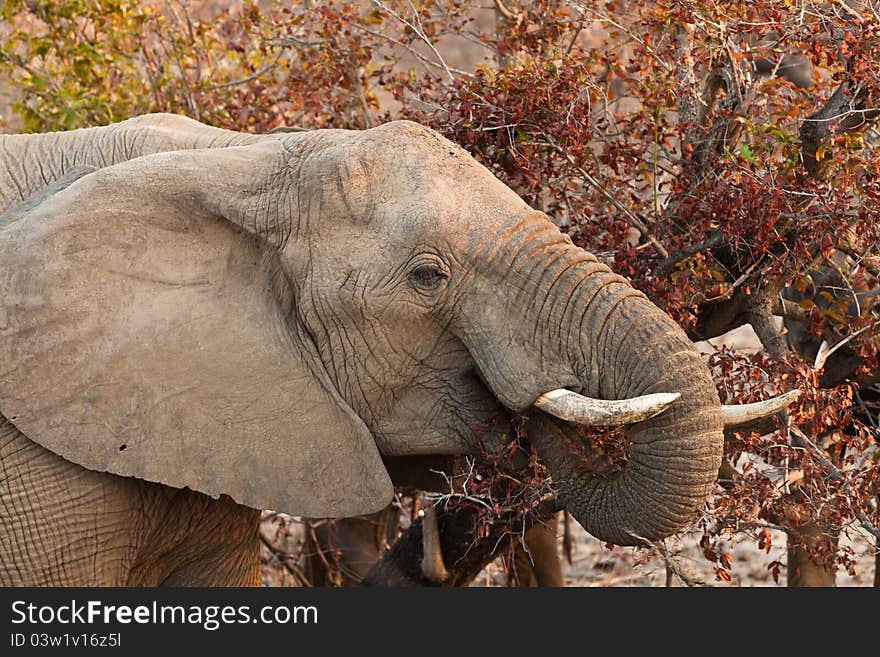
[575, 408]
[740, 414]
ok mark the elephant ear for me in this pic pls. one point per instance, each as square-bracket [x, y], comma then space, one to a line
[142, 334]
[66, 180]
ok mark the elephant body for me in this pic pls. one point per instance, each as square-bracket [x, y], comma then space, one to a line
[341, 551]
[34, 162]
[64, 525]
[196, 323]
[89, 528]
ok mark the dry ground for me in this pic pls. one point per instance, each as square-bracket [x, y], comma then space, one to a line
[594, 564]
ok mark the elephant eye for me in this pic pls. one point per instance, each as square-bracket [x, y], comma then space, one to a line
[427, 276]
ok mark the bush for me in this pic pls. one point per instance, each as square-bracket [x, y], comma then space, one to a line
[717, 154]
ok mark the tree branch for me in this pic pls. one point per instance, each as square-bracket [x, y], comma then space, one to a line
[284, 559]
[418, 32]
[800, 439]
[504, 11]
[637, 223]
[715, 239]
[845, 106]
[674, 568]
[250, 78]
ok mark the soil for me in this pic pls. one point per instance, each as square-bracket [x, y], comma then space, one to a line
[595, 564]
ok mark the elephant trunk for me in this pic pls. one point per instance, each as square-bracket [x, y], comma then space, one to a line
[629, 347]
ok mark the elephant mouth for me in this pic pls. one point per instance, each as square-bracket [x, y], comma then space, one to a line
[664, 478]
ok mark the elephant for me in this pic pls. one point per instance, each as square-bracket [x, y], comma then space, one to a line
[341, 551]
[198, 323]
[345, 551]
[440, 549]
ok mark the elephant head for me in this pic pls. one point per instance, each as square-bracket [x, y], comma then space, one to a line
[266, 321]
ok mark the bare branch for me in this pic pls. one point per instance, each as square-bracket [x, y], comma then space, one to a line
[419, 33]
[415, 53]
[846, 105]
[674, 568]
[253, 76]
[637, 223]
[715, 239]
[284, 559]
[504, 11]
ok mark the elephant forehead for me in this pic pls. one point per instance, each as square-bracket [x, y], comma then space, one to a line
[445, 206]
[401, 162]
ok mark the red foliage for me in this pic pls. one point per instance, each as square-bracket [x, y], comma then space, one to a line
[714, 153]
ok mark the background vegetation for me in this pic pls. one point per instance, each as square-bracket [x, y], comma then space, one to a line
[721, 155]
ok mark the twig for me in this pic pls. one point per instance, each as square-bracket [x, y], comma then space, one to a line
[504, 11]
[844, 104]
[253, 76]
[637, 223]
[738, 525]
[715, 239]
[415, 53]
[176, 52]
[586, 12]
[849, 10]
[310, 527]
[362, 98]
[418, 32]
[574, 37]
[800, 439]
[867, 454]
[284, 559]
[673, 567]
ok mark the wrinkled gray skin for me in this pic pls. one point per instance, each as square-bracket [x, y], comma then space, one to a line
[263, 319]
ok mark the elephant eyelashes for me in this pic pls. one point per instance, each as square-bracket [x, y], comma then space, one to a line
[428, 277]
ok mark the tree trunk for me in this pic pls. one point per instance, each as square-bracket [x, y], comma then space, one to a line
[803, 570]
